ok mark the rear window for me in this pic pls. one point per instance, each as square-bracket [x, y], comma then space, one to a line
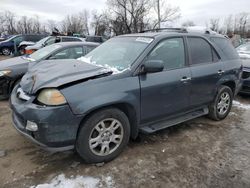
[226, 47]
[94, 39]
[70, 39]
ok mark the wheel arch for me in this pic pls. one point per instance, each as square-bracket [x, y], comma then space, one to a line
[126, 108]
[231, 84]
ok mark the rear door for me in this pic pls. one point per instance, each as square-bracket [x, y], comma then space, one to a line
[167, 92]
[206, 70]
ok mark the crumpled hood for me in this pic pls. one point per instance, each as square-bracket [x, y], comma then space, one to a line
[55, 73]
[13, 62]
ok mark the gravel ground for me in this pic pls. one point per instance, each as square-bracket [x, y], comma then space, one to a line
[198, 153]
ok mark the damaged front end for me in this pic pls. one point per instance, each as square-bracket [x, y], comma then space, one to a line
[41, 112]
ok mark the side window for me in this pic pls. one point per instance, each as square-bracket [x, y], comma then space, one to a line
[69, 53]
[171, 52]
[200, 51]
[226, 47]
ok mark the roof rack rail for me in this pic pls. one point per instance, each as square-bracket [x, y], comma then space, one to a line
[168, 29]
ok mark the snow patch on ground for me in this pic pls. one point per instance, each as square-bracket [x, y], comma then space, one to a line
[237, 104]
[61, 181]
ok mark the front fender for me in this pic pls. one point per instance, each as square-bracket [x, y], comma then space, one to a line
[95, 94]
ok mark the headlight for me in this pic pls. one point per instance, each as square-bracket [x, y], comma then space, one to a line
[51, 97]
[5, 72]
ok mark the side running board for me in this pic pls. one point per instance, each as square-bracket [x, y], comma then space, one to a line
[153, 127]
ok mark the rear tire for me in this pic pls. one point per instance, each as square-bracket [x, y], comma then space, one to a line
[103, 136]
[222, 104]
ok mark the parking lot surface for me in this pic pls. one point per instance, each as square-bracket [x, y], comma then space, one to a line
[198, 153]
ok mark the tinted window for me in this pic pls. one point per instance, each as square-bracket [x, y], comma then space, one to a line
[33, 38]
[69, 39]
[94, 39]
[171, 52]
[200, 50]
[226, 47]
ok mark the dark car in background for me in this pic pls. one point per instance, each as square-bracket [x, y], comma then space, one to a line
[51, 40]
[244, 53]
[133, 83]
[11, 44]
[12, 70]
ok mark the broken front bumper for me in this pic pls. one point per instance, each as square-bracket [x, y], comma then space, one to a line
[4, 88]
[57, 126]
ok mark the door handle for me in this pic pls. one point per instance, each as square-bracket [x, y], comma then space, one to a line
[185, 79]
[220, 72]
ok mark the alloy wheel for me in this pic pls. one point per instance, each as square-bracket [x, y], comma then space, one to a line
[106, 137]
[223, 103]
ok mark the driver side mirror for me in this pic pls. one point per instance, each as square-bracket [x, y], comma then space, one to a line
[152, 66]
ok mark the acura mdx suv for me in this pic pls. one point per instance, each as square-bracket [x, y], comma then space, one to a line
[131, 84]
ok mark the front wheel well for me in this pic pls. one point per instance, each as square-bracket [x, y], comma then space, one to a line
[231, 85]
[125, 108]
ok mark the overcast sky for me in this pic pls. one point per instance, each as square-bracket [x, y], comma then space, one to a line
[198, 11]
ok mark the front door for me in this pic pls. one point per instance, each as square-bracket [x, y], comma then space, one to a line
[166, 93]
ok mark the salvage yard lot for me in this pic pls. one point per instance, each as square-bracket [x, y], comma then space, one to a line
[199, 153]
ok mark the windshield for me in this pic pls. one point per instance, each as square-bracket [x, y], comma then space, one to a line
[11, 38]
[118, 53]
[244, 47]
[42, 41]
[39, 54]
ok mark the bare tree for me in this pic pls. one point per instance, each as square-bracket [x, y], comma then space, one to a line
[228, 24]
[100, 23]
[51, 25]
[165, 12]
[10, 22]
[128, 15]
[214, 24]
[37, 26]
[76, 23]
[241, 22]
[188, 23]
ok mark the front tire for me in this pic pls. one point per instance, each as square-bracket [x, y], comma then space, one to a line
[6, 51]
[103, 136]
[222, 104]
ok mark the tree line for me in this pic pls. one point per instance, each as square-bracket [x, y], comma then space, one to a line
[120, 17]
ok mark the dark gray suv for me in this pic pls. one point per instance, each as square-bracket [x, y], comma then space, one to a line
[130, 84]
